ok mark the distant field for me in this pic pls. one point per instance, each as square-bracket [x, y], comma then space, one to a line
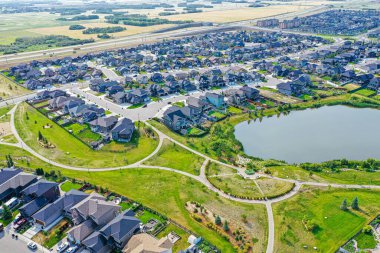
[225, 16]
[59, 30]
[13, 26]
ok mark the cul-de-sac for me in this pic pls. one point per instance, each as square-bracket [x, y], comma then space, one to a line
[190, 126]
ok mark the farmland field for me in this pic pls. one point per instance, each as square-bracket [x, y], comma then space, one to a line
[130, 30]
[225, 16]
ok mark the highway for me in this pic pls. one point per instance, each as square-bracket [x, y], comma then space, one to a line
[11, 59]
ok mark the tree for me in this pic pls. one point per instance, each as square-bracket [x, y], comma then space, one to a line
[367, 229]
[355, 203]
[218, 220]
[9, 159]
[7, 214]
[343, 206]
[225, 226]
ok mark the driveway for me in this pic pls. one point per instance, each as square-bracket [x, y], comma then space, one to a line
[7, 244]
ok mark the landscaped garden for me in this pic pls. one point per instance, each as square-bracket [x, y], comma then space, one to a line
[69, 150]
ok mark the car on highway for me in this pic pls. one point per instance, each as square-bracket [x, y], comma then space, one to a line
[72, 249]
[32, 245]
[61, 247]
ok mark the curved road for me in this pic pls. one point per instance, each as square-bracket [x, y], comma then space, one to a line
[201, 178]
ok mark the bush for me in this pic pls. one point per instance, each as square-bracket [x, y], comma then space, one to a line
[77, 27]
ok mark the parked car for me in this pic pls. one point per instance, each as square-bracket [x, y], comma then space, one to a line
[32, 245]
[17, 218]
[19, 224]
[62, 247]
[1, 227]
[72, 249]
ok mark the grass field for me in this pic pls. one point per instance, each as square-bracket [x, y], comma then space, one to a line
[4, 116]
[236, 185]
[165, 192]
[225, 16]
[351, 86]
[130, 30]
[9, 89]
[176, 157]
[343, 177]
[365, 92]
[180, 244]
[68, 185]
[71, 151]
[366, 241]
[272, 188]
[322, 206]
[214, 169]
[9, 139]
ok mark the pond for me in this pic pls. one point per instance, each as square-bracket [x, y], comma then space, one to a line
[314, 135]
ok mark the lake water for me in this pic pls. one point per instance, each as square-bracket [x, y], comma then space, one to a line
[314, 135]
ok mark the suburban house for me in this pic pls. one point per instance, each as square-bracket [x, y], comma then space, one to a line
[142, 243]
[123, 130]
[54, 212]
[175, 119]
[13, 181]
[103, 124]
[37, 196]
[217, 100]
[137, 96]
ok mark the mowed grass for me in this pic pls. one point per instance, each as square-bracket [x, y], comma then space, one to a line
[214, 169]
[165, 192]
[180, 244]
[366, 241]
[67, 186]
[68, 150]
[322, 205]
[343, 177]
[9, 89]
[173, 156]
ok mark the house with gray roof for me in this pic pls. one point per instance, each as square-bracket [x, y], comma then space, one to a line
[103, 124]
[13, 181]
[38, 195]
[59, 208]
[123, 130]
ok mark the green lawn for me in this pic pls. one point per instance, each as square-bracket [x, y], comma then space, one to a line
[71, 151]
[343, 177]
[195, 131]
[365, 92]
[272, 188]
[366, 241]
[9, 139]
[214, 169]
[136, 106]
[334, 226]
[180, 244]
[4, 117]
[68, 185]
[166, 193]
[234, 110]
[146, 216]
[173, 156]
[217, 115]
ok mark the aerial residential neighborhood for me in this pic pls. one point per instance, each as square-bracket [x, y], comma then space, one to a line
[189, 126]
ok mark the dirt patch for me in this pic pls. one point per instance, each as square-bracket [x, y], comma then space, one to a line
[5, 129]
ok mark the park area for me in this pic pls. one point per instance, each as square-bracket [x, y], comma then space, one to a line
[313, 218]
[68, 150]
